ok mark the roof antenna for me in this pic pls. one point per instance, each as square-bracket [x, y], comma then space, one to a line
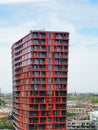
[43, 29]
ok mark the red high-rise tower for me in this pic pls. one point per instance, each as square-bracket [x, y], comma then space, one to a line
[40, 73]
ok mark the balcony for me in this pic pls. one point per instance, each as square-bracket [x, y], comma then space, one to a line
[44, 113]
[35, 35]
[63, 113]
[39, 61]
[60, 80]
[60, 106]
[31, 127]
[56, 113]
[60, 35]
[61, 93]
[63, 119]
[42, 120]
[42, 35]
[35, 93]
[38, 42]
[41, 127]
[42, 93]
[60, 61]
[58, 74]
[35, 106]
[38, 80]
[42, 106]
[34, 113]
[33, 120]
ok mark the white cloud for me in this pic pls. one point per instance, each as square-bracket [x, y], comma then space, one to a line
[83, 55]
[5, 70]
[57, 16]
[81, 13]
[19, 1]
[83, 70]
[54, 23]
[9, 35]
[12, 34]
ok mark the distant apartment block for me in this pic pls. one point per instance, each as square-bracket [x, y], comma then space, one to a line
[82, 125]
[40, 74]
[94, 116]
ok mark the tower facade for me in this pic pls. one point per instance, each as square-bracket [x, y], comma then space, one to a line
[40, 73]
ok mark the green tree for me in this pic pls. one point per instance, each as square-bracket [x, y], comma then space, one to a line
[4, 124]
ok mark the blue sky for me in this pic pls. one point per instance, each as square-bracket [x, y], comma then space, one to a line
[79, 17]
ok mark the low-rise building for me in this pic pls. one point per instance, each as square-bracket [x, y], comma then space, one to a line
[94, 116]
[82, 125]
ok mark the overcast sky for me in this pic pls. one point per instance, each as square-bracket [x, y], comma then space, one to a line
[79, 17]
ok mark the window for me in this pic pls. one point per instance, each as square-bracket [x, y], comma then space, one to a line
[35, 35]
[42, 93]
[42, 35]
[63, 113]
[43, 86]
[62, 119]
[48, 113]
[59, 48]
[35, 93]
[35, 87]
[44, 113]
[49, 120]
[49, 35]
[49, 106]
[50, 61]
[58, 86]
[43, 48]
[31, 127]
[43, 73]
[42, 61]
[49, 42]
[63, 106]
[56, 113]
[42, 119]
[42, 106]
[64, 42]
[49, 86]
[36, 61]
[41, 126]
[35, 54]
[56, 119]
[56, 41]
[49, 48]
[34, 67]
[57, 99]
[42, 67]
[63, 99]
[62, 93]
[35, 106]
[33, 113]
[37, 73]
[50, 80]
[36, 41]
[35, 120]
[49, 67]
[42, 42]
[49, 73]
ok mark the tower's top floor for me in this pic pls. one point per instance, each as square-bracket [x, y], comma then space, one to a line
[40, 34]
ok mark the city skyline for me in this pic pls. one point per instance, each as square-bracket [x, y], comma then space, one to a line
[77, 17]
